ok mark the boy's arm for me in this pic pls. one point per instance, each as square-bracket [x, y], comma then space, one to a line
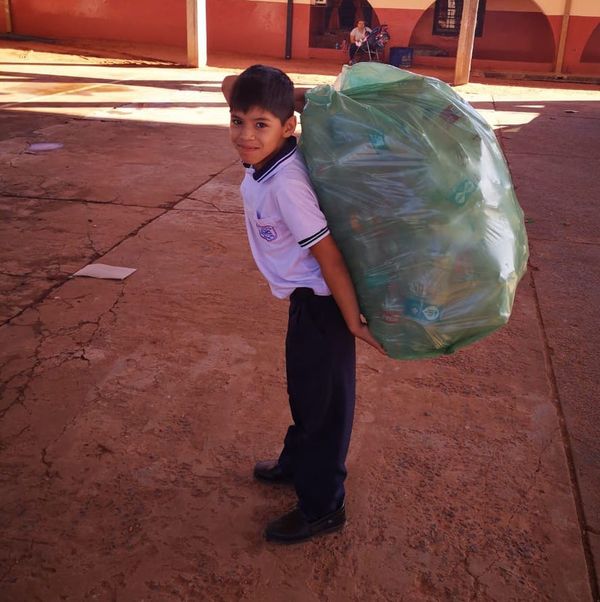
[299, 100]
[335, 272]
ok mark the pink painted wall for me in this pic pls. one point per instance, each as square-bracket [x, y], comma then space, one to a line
[513, 36]
[139, 21]
[518, 40]
[591, 52]
[400, 22]
[583, 35]
[256, 28]
[259, 28]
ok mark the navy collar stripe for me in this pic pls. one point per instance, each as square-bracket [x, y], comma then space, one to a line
[266, 173]
[287, 150]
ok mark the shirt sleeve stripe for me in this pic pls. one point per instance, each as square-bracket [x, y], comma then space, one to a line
[320, 234]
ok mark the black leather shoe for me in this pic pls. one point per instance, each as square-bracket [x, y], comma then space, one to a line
[270, 472]
[294, 527]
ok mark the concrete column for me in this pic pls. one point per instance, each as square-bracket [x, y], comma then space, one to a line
[560, 53]
[8, 16]
[196, 33]
[466, 41]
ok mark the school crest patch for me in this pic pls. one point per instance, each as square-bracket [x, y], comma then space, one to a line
[268, 233]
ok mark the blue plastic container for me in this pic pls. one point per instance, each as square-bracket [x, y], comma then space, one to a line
[401, 56]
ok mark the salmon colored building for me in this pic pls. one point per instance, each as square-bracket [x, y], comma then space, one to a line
[516, 35]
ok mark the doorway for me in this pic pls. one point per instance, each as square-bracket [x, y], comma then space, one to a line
[332, 21]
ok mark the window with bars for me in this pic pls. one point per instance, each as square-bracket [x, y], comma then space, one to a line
[447, 15]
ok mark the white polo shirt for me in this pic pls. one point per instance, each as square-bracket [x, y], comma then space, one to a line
[283, 220]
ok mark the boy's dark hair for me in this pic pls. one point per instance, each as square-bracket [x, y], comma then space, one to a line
[266, 87]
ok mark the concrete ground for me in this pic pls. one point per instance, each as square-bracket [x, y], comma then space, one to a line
[132, 412]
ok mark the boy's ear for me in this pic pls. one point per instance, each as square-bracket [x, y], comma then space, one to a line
[289, 127]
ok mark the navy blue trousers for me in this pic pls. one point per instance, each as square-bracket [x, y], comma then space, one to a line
[321, 381]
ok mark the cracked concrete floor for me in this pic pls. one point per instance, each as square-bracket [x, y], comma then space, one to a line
[132, 412]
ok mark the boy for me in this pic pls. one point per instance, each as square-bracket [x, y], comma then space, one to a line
[292, 247]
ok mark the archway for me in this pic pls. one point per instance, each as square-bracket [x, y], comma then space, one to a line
[512, 31]
[591, 52]
[331, 22]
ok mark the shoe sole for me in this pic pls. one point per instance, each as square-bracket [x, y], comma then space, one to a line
[319, 533]
[288, 481]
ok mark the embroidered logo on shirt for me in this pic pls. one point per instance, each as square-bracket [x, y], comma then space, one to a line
[268, 233]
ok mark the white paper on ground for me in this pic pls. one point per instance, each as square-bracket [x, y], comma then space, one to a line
[41, 147]
[108, 272]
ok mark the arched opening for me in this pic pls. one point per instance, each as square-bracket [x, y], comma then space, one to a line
[591, 52]
[513, 30]
[331, 22]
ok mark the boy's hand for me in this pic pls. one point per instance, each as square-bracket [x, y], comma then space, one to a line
[299, 100]
[335, 272]
[227, 86]
[362, 332]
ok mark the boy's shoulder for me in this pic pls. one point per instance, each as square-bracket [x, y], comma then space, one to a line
[293, 178]
[295, 165]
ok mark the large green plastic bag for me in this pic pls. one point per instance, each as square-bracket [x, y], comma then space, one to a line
[419, 198]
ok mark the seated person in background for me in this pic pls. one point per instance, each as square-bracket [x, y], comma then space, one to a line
[357, 36]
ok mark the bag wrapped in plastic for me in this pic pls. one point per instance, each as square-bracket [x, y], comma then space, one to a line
[420, 201]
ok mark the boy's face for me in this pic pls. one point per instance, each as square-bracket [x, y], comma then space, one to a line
[258, 134]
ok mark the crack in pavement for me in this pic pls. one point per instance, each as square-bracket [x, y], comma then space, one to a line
[539, 154]
[34, 372]
[32, 197]
[216, 208]
[567, 447]
[41, 363]
[48, 465]
[519, 506]
[167, 207]
[96, 253]
[42, 297]
[26, 373]
[562, 241]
